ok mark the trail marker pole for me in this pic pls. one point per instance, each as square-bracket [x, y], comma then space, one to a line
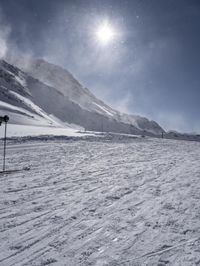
[4, 119]
[4, 148]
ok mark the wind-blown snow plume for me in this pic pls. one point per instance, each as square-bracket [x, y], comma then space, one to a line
[4, 33]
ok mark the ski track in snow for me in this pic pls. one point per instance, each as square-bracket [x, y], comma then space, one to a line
[101, 203]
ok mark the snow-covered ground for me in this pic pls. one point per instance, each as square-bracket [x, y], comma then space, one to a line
[14, 130]
[101, 203]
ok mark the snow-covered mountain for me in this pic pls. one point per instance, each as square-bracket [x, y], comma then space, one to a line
[36, 92]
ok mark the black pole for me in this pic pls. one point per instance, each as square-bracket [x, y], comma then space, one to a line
[4, 148]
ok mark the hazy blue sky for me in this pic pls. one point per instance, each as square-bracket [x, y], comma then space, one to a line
[152, 67]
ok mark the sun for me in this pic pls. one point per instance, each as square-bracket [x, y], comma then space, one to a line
[105, 33]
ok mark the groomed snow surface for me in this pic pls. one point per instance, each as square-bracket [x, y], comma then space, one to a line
[133, 202]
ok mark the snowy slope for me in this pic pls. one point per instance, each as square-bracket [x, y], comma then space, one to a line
[101, 204]
[97, 115]
[14, 99]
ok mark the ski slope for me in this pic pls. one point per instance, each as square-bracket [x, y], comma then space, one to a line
[128, 202]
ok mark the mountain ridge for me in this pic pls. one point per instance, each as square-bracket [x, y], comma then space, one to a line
[45, 84]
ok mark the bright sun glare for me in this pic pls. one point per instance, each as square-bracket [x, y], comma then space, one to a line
[105, 33]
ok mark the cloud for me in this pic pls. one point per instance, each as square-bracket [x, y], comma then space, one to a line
[174, 121]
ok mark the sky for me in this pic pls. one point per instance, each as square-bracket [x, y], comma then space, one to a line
[151, 67]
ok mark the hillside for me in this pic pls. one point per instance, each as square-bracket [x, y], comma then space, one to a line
[57, 93]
